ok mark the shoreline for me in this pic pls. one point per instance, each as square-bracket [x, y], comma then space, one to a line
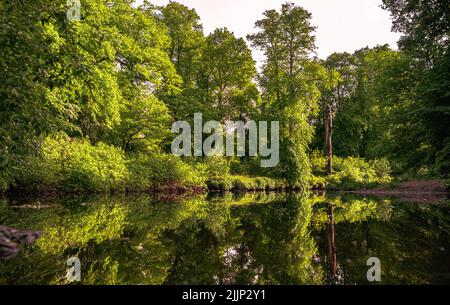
[414, 190]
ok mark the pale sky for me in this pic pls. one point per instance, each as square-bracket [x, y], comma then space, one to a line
[342, 25]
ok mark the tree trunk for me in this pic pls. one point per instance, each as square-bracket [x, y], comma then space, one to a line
[328, 139]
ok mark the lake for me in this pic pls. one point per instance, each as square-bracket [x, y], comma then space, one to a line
[261, 238]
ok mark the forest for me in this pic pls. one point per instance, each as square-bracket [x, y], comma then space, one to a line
[87, 105]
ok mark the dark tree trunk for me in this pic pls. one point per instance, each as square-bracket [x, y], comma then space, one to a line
[328, 139]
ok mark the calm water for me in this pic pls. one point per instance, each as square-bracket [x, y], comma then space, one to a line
[226, 239]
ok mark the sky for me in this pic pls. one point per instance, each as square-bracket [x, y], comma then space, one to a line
[342, 25]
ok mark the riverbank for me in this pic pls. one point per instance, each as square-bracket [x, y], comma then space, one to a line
[434, 190]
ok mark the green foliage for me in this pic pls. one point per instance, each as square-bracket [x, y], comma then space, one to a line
[424, 25]
[228, 62]
[289, 96]
[318, 163]
[352, 173]
[443, 160]
[245, 183]
[144, 125]
[74, 165]
[257, 183]
[83, 77]
[349, 173]
[217, 70]
[93, 168]
[185, 51]
[318, 182]
[420, 124]
[359, 112]
[218, 170]
[391, 104]
[220, 183]
[161, 170]
[114, 81]
[217, 166]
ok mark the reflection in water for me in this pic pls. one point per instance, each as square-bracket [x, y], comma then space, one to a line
[331, 245]
[335, 276]
[259, 238]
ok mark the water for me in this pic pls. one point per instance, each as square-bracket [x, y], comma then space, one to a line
[230, 239]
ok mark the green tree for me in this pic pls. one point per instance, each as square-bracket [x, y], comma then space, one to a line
[289, 82]
[358, 108]
[185, 51]
[229, 68]
[425, 26]
[80, 76]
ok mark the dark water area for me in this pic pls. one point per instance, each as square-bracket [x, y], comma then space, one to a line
[263, 238]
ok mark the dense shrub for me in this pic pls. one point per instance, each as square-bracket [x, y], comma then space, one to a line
[73, 165]
[349, 173]
[77, 165]
[94, 168]
[220, 183]
[245, 183]
[218, 171]
[217, 167]
[318, 182]
[382, 169]
[257, 183]
[5, 180]
[159, 170]
[318, 163]
[443, 161]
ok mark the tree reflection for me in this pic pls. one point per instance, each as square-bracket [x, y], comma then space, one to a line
[275, 238]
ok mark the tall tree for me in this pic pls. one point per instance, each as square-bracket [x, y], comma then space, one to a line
[359, 109]
[229, 69]
[425, 26]
[289, 81]
[76, 76]
[185, 51]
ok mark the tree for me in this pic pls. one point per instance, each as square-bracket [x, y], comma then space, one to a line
[359, 108]
[289, 83]
[185, 51]
[425, 26]
[79, 76]
[229, 69]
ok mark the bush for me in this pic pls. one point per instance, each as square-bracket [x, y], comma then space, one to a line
[261, 182]
[43, 170]
[160, 170]
[349, 173]
[93, 168]
[318, 163]
[244, 183]
[218, 171]
[352, 173]
[73, 165]
[257, 183]
[382, 169]
[442, 162]
[222, 184]
[5, 181]
[318, 183]
[217, 167]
